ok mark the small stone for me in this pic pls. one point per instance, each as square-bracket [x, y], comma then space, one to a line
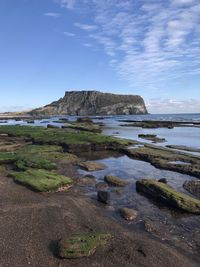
[103, 196]
[163, 180]
[128, 214]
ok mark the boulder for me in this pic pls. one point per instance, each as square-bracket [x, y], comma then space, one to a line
[101, 186]
[163, 180]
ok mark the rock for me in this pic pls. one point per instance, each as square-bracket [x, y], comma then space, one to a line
[163, 180]
[193, 187]
[52, 126]
[81, 245]
[84, 119]
[30, 121]
[168, 195]
[83, 103]
[103, 196]
[152, 137]
[115, 181]
[128, 214]
[101, 186]
[92, 166]
[86, 180]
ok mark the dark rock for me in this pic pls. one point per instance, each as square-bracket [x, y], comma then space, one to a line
[93, 103]
[84, 119]
[163, 180]
[52, 126]
[193, 187]
[103, 196]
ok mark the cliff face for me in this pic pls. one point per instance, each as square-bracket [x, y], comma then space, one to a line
[93, 103]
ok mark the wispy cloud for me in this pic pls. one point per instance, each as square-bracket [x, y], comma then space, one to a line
[69, 34]
[151, 42]
[52, 14]
[173, 106]
[85, 27]
[70, 4]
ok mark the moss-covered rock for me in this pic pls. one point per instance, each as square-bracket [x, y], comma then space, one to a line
[41, 180]
[152, 137]
[115, 181]
[168, 195]
[70, 140]
[81, 245]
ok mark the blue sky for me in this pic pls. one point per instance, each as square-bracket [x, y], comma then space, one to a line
[145, 47]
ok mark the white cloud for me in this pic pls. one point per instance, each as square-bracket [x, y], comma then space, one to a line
[69, 4]
[85, 27]
[152, 41]
[160, 106]
[69, 34]
[87, 45]
[52, 14]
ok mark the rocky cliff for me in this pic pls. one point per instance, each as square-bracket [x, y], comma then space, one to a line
[93, 103]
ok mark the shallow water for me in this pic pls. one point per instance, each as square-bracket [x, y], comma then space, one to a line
[174, 226]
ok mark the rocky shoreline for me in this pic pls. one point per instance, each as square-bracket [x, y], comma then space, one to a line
[45, 196]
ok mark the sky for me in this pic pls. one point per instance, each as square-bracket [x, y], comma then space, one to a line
[145, 47]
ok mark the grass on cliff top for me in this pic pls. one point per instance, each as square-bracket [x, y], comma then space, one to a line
[41, 180]
[59, 136]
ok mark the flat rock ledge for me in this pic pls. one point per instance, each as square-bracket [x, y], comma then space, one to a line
[81, 245]
[168, 195]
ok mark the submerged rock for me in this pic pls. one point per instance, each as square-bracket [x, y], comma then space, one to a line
[103, 196]
[101, 186]
[167, 194]
[115, 181]
[193, 187]
[128, 214]
[152, 137]
[81, 245]
[92, 166]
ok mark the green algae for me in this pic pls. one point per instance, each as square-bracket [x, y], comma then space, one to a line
[170, 196]
[81, 245]
[41, 180]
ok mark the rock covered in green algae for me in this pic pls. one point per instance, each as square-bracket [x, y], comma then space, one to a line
[92, 166]
[41, 180]
[115, 181]
[152, 137]
[128, 214]
[168, 195]
[83, 245]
